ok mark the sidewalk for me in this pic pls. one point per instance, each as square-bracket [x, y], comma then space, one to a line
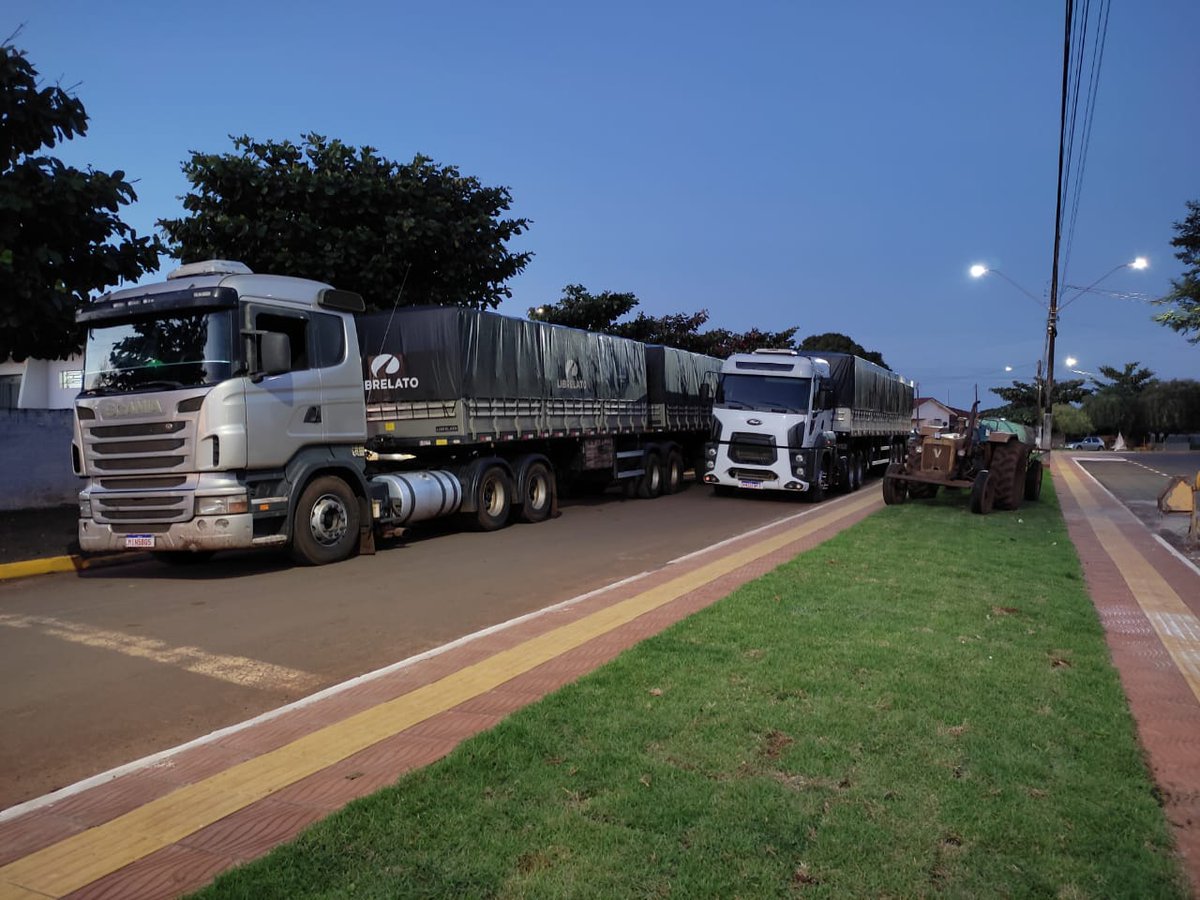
[168, 824]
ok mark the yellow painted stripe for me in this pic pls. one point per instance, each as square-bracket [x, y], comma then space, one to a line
[79, 860]
[1177, 627]
[238, 670]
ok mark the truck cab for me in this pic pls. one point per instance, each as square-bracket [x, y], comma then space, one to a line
[772, 421]
[208, 401]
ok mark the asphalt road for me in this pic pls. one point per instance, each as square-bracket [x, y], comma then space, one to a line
[1137, 479]
[106, 667]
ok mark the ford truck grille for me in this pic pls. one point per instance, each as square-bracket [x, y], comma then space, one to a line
[752, 449]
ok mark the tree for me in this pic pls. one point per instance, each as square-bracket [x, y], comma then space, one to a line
[1071, 420]
[578, 308]
[1185, 293]
[410, 233]
[834, 342]
[1116, 405]
[1024, 404]
[1172, 407]
[61, 239]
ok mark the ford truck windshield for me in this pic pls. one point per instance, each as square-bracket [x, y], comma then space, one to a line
[765, 393]
[183, 350]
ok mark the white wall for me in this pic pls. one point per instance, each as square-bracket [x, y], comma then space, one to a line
[41, 387]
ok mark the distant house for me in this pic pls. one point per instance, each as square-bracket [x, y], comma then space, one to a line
[928, 412]
[40, 383]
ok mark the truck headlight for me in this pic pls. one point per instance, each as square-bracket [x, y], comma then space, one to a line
[222, 506]
[85, 509]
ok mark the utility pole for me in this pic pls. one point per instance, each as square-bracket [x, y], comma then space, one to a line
[1052, 318]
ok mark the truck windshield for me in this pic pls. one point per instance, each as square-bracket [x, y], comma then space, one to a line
[187, 350]
[767, 393]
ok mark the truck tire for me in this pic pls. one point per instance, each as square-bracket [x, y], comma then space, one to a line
[537, 494]
[673, 473]
[895, 491]
[858, 473]
[493, 500]
[325, 527]
[1009, 481]
[650, 485]
[820, 483]
[1033, 480]
[983, 493]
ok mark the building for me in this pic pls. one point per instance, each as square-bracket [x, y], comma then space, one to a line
[40, 383]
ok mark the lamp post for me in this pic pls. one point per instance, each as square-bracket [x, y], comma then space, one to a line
[979, 270]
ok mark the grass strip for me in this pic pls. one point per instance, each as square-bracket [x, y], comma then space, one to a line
[923, 705]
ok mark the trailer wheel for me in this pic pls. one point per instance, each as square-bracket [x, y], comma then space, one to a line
[325, 528]
[983, 493]
[895, 491]
[673, 476]
[538, 494]
[857, 473]
[650, 485]
[1033, 480]
[493, 500]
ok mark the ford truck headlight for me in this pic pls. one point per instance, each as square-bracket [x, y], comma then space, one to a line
[222, 506]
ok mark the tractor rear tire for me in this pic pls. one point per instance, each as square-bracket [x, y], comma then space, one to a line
[1008, 475]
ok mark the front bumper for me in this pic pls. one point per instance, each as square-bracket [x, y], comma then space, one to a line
[228, 532]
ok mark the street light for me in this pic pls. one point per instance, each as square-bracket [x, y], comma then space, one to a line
[979, 270]
[1137, 264]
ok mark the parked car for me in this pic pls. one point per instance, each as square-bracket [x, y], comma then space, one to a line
[1088, 443]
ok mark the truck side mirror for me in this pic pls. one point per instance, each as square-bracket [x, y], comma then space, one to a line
[275, 355]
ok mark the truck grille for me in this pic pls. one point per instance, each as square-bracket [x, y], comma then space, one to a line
[752, 449]
[148, 446]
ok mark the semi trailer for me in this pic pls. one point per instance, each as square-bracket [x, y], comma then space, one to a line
[805, 422]
[223, 409]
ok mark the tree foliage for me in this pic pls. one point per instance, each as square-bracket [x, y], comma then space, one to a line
[1185, 294]
[1072, 421]
[61, 238]
[1116, 405]
[834, 342]
[1024, 401]
[324, 210]
[579, 308]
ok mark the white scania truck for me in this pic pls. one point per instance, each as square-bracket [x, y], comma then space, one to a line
[806, 422]
[227, 410]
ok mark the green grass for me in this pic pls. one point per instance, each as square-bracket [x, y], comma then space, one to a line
[923, 705]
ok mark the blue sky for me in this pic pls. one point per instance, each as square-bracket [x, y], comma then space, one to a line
[837, 167]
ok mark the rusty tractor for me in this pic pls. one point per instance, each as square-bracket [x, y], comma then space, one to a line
[994, 459]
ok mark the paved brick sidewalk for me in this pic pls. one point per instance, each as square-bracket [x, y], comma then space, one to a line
[1148, 599]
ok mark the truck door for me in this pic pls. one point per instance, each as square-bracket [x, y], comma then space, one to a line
[283, 412]
[343, 404]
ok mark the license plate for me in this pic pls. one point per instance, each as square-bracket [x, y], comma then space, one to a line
[756, 485]
[139, 542]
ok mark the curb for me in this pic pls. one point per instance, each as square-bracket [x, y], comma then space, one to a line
[73, 563]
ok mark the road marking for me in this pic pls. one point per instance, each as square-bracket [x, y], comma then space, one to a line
[76, 861]
[1177, 627]
[238, 670]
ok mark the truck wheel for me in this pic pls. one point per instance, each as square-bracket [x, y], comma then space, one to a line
[538, 494]
[650, 485]
[493, 500]
[325, 528]
[820, 483]
[673, 476]
[895, 491]
[1033, 480]
[983, 493]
